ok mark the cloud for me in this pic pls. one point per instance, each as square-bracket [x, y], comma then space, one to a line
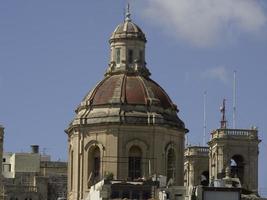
[218, 73]
[206, 22]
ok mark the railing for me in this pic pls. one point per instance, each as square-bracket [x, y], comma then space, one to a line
[240, 133]
[196, 150]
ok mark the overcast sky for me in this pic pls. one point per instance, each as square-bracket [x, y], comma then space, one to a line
[53, 52]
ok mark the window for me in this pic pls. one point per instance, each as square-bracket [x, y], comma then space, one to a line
[4, 159]
[204, 178]
[93, 165]
[134, 162]
[141, 56]
[118, 55]
[170, 164]
[7, 167]
[130, 56]
[96, 169]
[237, 167]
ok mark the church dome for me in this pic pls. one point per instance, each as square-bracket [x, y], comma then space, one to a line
[127, 94]
[128, 30]
[128, 90]
[128, 99]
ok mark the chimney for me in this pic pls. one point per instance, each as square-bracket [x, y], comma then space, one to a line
[35, 148]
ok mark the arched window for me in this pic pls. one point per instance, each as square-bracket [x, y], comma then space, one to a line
[141, 56]
[130, 56]
[118, 55]
[93, 164]
[96, 162]
[204, 178]
[134, 162]
[170, 164]
[237, 167]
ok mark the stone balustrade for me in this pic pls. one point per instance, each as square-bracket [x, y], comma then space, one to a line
[240, 133]
[196, 151]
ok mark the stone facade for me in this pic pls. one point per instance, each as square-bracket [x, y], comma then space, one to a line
[235, 150]
[238, 150]
[196, 166]
[26, 176]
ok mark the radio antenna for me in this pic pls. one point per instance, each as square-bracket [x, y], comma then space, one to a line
[234, 100]
[204, 118]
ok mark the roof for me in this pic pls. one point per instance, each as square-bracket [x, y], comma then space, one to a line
[127, 99]
[127, 30]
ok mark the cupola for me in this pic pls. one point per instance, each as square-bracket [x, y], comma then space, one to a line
[127, 44]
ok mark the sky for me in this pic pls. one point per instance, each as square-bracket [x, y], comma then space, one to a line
[53, 52]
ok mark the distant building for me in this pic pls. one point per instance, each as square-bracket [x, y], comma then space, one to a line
[31, 176]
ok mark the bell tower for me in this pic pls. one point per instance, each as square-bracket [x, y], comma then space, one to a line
[237, 150]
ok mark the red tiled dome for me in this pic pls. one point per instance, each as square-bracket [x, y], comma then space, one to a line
[130, 90]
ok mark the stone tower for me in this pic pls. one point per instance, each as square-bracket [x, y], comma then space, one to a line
[237, 150]
[127, 126]
[196, 166]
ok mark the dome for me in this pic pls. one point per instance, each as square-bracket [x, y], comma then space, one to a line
[127, 94]
[127, 30]
[126, 89]
[128, 99]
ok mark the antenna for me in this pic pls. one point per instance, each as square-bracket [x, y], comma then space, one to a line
[234, 100]
[204, 118]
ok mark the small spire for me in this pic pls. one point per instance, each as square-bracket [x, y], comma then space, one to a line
[128, 14]
[223, 121]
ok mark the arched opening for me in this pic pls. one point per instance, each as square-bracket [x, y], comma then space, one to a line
[134, 162]
[237, 167]
[170, 164]
[94, 164]
[204, 178]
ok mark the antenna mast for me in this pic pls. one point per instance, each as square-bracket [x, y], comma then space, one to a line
[234, 101]
[205, 119]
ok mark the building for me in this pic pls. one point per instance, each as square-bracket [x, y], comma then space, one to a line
[126, 126]
[196, 166]
[229, 160]
[32, 176]
[127, 141]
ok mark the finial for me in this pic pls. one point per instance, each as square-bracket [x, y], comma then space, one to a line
[128, 14]
[223, 121]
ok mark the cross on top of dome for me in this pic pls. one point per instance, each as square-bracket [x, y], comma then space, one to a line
[128, 13]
